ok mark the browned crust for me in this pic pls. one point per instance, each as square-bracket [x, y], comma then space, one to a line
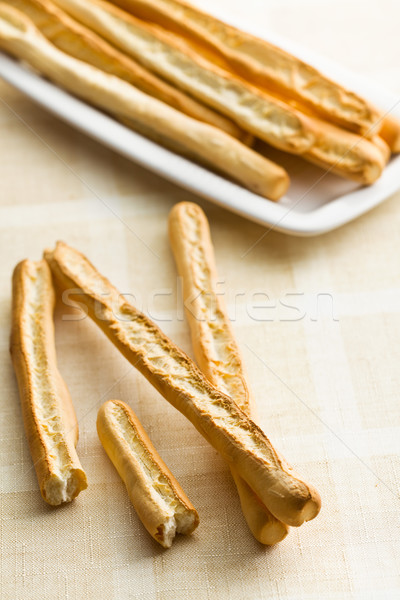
[73, 38]
[128, 462]
[41, 385]
[271, 118]
[214, 344]
[260, 62]
[175, 376]
[390, 132]
[19, 36]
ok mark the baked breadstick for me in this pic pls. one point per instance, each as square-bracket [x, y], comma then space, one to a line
[260, 62]
[260, 113]
[73, 38]
[390, 132]
[383, 146]
[264, 116]
[19, 36]
[215, 347]
[176, 377]
[159, 500]
[50, 422]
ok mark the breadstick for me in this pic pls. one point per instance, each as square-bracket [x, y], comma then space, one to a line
[260, 113]
[176, 377]
[390, 132]
[383, 146]
[19, 36]
[264, 116]
[260, 62]
[50, 422]
[159, 500]
[78, 41]
[215, 347]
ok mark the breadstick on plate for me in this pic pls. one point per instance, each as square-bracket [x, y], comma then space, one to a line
[260, 113]
[214, 344]
[264, 116]
[260, 62]
[159, 500]
[49, 418]
[390, 132]
[216, 416]
[73, 38]
[19, 36]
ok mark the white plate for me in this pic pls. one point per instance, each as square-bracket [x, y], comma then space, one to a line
[315, 203]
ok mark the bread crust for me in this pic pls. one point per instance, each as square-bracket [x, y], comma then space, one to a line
[19, 36]
[262, 114]
[159, 500]
[257, 112]
[214, 344]
[390, 132]
[73, 38]
[261, 62]
[49, 418]
[216, 416]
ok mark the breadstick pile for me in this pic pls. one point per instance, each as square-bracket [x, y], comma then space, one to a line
[201, 87]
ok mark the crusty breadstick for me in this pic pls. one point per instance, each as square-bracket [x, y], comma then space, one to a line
[159, 500]
[383, 146]
[19, 36]
[260, 62]
[49, 418]
[390, 132]
[73, 38]
[177, 378]
[260, 113]
[214, 344]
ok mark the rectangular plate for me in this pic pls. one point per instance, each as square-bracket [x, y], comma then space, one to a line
[316, 201]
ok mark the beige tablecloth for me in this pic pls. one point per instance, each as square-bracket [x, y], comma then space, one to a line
[318, 321]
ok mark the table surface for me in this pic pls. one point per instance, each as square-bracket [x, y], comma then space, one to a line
[318, 322]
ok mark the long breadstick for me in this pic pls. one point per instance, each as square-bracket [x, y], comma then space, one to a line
[73, 38]
[260, 62]
[177, 378]
[19, 36]
[159, 500]
[214, 345]
[49, 418]
[260, 113]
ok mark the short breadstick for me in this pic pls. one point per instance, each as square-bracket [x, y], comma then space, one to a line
[73, 38]
[159, 500]
[177, 378]
[50, 423]
[262, 114]
[390, 132]
[214, 344]
[19, 36]
[260, 62]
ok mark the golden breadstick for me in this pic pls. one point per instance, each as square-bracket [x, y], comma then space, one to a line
[260, 62]
[390, 132]
[383, 146]
[214, 344]
[19, 36]
[260, 113]
[176, 377]
[49, 418]
[159, 500]
[78, 41]
[346, 154]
